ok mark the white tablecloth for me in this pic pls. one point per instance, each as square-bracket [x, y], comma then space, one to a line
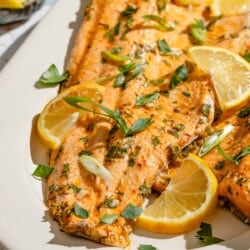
[13, 35]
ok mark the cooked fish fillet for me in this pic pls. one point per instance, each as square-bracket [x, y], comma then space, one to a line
[177, 114]
[234, 180]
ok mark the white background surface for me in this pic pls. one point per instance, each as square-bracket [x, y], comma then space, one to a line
[13, 35]
[24, 223]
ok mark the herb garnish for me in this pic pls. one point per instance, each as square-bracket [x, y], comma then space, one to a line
[130, 10]
[109, 218]
[137, 126]
[198, 31]
[51, 77]
[80, 212]
[95, 167]
[161, 4]
[213, 21]
[146, 247]
[206, 109]
[113, 57]
[148, 98]
[247, 56]
[235, 159]
[131, 212]
[145, 190]
[127, 15]
[128, 72]
[205, 234]
[180, 75]
[163, 46]
[215, 138]
[244, 112]
[75, 188]
[42, 171]
[161, 23]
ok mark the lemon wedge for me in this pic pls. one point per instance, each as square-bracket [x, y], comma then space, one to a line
[230, 74]
[58, 118]
[229, 7]
[189, 197]
[12, 4]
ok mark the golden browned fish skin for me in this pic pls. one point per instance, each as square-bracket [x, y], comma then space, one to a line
[139, 161]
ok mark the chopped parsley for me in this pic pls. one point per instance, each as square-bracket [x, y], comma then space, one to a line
[244, 112]
[180, 75]
[42, 171]
[80, 212]
[109, 218]
[163, 46]
[131, 212]
[148, 98]
[205, 234]
[75, 188]
[51, 77]
[246, 56]
[146, 247]
[206, 109]
[145, 190]
[155, 140]
[130, 10]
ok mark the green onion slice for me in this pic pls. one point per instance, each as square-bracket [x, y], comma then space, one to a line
[214, 139]
[95, 167]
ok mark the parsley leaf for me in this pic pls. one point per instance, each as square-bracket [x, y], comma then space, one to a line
[205, 234]
[128, 72]
[131, 212]
[109, 218]
[146, 247]
[180, 75]
[80, 212]
[139, 125]
[244, 112]
[247, 56]
[163, 46]
[42, 171]
[130, 10]
[51, 77]
[148, 98]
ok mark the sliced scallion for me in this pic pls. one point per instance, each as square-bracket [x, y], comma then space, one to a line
[95, 167]
[215, 138]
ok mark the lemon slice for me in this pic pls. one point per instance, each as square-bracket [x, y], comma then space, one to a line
[192, 2]
[229, 7]
[11, 4]
[189, 197]
[58, 117]
[230, 74]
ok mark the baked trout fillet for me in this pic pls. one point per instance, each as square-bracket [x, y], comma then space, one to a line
[165, 100]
